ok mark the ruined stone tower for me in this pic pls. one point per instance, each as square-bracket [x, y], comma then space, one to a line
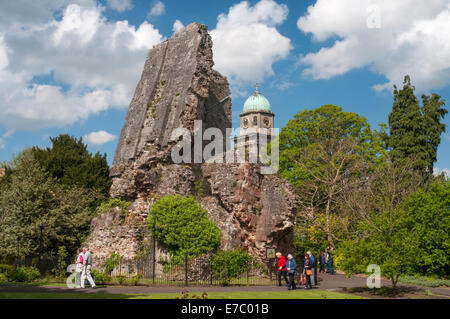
[177, 87]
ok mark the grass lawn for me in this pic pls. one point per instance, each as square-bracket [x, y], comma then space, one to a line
[299, 294]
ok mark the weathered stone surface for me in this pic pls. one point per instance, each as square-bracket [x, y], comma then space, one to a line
[178, 86]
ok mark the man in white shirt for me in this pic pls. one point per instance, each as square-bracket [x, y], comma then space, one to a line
[86, 272]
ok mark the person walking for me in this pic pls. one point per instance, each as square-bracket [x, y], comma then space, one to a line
[329, 262]
[313, 268]
[307, 270]
[78, 267]
[322, 262]
[86, 273]
[281, 269]
[291, 267]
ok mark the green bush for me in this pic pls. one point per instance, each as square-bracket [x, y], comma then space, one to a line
[113, 262]
[6, 270]
[230, 264]
[183, 226]
[26, 274]
[135, 280]
[428, 220]
[121, 279]
[112, 203]
[3, 279]
[101, 278]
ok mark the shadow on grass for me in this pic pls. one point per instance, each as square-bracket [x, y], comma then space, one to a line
[387, 292]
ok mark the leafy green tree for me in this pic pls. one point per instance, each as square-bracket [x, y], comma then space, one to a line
[32, 198]
[230, 264]
[433, 112]
[69, 161]
[414, 130]
[428, 219]
[326, 154]
[183, 226]
[384, 237]
[388, 244]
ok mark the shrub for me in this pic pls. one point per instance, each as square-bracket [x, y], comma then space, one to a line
[112, 203]
[112, 262]
[230, 264]
[101, 278]
[26, 274]
[183, 226]
[6, 270]
[135, 280]
[428, 220]
[3, 279]
[61, 263]
[121, 279]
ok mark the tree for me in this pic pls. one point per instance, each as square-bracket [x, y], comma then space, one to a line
[69, 162]
[428, 219]
[384, 237]
[415, 131]
[326, 154]
[32, 198]
[433, 112]
[388, 244]
[183, 226]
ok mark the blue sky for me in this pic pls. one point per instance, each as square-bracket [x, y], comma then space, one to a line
[72, 66]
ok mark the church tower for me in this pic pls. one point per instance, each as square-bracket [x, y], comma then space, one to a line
[256, 126]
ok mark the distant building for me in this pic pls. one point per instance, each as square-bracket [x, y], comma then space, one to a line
[256, 127]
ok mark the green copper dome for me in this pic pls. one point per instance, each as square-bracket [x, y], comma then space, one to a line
[256, 102]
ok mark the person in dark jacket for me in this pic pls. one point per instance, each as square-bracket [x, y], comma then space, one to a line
[281, 270]
[322, 262]
[291, 267]
[307, 270]
[329, 262]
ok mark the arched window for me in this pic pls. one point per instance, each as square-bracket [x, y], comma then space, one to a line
[255, 120]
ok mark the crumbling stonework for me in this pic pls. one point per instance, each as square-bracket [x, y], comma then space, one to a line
[177, 87]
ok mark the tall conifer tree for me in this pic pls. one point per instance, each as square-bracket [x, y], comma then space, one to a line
[414, 130]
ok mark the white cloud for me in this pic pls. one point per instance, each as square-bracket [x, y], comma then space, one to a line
[99, 138]
[158, 9]
[247, 42]
[120, 5]
[3, 137]
[177, 26]
[392, 38]
[95, 65]
[439, 171]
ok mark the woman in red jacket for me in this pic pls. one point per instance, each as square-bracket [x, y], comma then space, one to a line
[281, 270]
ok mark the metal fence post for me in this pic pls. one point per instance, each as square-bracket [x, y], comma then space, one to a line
[186, 270]
[154, 261]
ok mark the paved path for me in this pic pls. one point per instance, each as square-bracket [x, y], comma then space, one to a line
[326, 282]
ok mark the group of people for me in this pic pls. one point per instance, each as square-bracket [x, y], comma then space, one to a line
[308, 275]
[83, 268]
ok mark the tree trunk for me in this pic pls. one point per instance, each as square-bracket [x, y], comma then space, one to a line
[327, 224]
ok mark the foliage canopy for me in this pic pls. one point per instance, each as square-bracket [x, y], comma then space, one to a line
[183, 226]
